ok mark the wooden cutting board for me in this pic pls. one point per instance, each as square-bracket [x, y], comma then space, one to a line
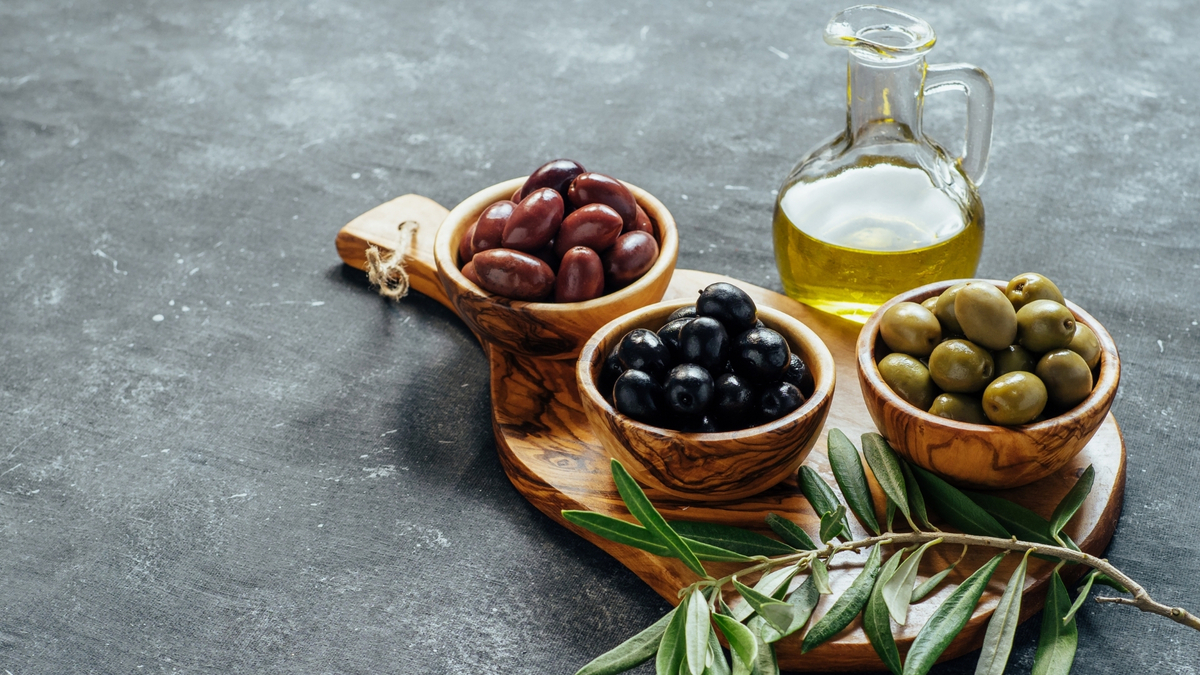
[554, 460]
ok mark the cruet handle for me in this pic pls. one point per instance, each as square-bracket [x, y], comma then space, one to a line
[980, 99]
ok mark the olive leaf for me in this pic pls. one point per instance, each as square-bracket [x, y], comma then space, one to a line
[717, 663]
[1083, 593]
[1056, 646]
[1071, 502]
[846, 607]
[804, 599]
[731, 538]
[624, 532]
[777, 613]
[886, 467]
[1020, 521]
[776, 583]
[641, 508]
[742, 644]
[916, 499]
[695, 633]
[920, 592]
[956, 508]
[898, 591]
[876, 622]
[833, 524]
[1105, 580]
[765, 663]
[670, 649]
[998, 640]
[632, 652]
[850, 477]
[791, 533]
[820, 576]
[819, 494]
[948, 620]
[891, 514]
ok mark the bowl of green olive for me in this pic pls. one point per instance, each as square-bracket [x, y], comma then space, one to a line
[989, 384]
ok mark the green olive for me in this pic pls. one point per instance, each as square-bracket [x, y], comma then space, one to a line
[959, 407]
[1013, 358]
[910, 329]
[1043, 325]
[909, 378]
[960, 366]
[930, 303]
[1086, 344]
[1025, 288]
[987, 317]
[1067, 377]
[1015, 398]
[945, 310]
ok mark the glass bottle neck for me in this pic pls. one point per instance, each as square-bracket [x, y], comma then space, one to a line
[884, 98]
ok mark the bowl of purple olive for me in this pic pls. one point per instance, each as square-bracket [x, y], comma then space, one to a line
[708, 400]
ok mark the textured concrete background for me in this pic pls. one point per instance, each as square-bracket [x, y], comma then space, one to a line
[219, 452]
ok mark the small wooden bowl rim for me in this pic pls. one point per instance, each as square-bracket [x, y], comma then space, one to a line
[445, 251]
[1104, 388]
[823, 373]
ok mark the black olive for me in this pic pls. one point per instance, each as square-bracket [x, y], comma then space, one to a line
[609, 373]
[696, 425]
[642, 350]
[798, 374]
[683, 313]
[637, 395]
[669, 334]
[779, 399]
[760, 355]
[688, 389]
[704, 341]
[734, 400]
[728, 304]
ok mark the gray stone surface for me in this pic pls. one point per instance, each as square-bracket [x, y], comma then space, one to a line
[219, 452]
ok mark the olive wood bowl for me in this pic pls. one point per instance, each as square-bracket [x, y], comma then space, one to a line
[983, 455]
[707, 466]
[554, 330]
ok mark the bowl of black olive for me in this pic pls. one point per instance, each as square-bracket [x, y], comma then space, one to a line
[709, 399]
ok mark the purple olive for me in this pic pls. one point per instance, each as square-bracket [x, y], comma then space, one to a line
[534, 221]
[630, 258]
[556, 175]
[596, 188]
[580, 276]
[489, 229]
[468, 271]
[595, 226]
[641, 223]
[513, 274]
[465, 250]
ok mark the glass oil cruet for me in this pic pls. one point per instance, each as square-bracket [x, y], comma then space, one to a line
[882, 208]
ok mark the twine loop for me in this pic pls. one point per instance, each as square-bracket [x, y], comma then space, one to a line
[389, 275]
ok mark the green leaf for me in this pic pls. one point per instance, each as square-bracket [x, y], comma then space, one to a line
[804, 599]
[820, 576]
[847, 606]
[630, 653]
[850, 477]
[742, 643]
[670, 649]
[998, 640]
[630, 534]
[819, 494]
[641, 508]
[1023, 523]
[898, 591]
[886, 466]
[916, 499]
[731, 538]
[765, 663]
[876, 623]
[695, 633]
[776, 583]
[719, 665]
[778, 614]
[1083, 593]
[890, 514]
[948, 620]
[1056, 647]
[833, 524]
[1071, 502]
[931, 583]
[956, 508]
[1105, 580]
[791, 533]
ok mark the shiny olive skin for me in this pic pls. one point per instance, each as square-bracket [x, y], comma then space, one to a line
[760, 355]
[961, 367]
[704, 341]
[1025, 288]
[1086, 344]
[1044, 325]
[733, 400]
[1013, 358]
[597, 188]
[1014, 398]
[909, 378]
[628, 259]
[930, 303]
[959, 407]
[595, 226]
[513, 274]
[580, 276]
[468, 271]
[643, 350]
[534, 221]
[556, 175]
[696, 425]
[728, 304]
[610, 370]
[636, 394]
[798, 374]
[778, 399]
[687, 311]
[1067, 377]
[669, 334]
[489, 229]
[986, 317]
[944, 310]
[909, 328]
[641, 222]
[465, 250]
[688, 389]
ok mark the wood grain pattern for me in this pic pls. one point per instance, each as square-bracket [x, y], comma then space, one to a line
[979, 455]
[552, 456]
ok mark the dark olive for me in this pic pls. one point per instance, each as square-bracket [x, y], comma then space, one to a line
[1014, 398]
[556, 175]
[779, 399]
[688, 389]
[944, 310]
[513, 274]
[609, 372]
[1086, 344]
[961, 366]
[696, 425]
[669, 334]
[489, 229]
[468, 271]
[1067, 377]
[1025, 288]
[688, 311]
[580, 276]
[1013, 358]
[909, 328]
[641, 349]
[641, 222]
[595, 226]
[728, 304]
[1043, 325]
[628, 259]
[959, 407]
[597, 188]
[639, 396]
[986, 317]
[465, 250]
[798, 374]
[534, 221]
[760, 355]
[909, 378]
[733, 401]
[703, 341]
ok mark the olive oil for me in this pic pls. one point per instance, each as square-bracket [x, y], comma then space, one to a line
[847, 242]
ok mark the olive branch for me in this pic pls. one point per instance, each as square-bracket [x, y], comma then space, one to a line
[684, 642]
